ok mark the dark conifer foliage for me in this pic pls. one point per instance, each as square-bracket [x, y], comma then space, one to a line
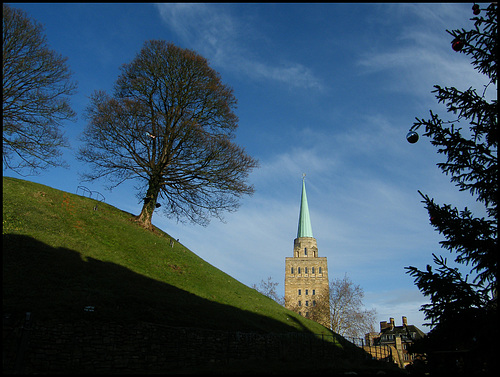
[463, 309]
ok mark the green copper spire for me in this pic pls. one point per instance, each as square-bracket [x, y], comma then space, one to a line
[305, 229]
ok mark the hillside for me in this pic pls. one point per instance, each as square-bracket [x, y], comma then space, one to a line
[60, 256]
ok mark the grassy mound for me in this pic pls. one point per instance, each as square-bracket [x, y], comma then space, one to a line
[61, 254]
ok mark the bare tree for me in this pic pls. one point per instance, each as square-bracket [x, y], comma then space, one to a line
[314, 307]
[36, 86]
[268, 288]
[341, 309]
[347, 315]
[317, 308]
[169, 126]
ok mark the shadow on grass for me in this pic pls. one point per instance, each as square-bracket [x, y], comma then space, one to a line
[57, 283]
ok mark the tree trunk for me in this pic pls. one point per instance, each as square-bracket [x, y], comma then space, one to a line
[149, 203]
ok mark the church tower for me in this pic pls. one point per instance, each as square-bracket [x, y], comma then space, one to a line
[306, 274]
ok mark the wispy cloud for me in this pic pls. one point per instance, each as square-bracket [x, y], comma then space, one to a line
[202, 26]
[420, 55]
[221, 37]
[418, 69]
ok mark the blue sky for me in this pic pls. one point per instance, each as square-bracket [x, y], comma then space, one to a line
[329, 90]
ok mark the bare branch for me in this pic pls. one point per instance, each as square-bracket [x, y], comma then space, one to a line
[36, 86]
[170, 122]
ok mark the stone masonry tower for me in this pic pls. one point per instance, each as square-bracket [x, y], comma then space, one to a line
[306, 274]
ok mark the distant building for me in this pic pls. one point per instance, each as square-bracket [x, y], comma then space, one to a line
[306, 274]
[398, 338]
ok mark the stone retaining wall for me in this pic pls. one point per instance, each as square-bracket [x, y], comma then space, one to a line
[97, 347]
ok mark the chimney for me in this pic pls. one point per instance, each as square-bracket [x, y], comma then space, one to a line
[392, 322]
[383, 325]
[404, 321]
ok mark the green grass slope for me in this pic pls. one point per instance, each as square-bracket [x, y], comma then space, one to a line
[60, 255]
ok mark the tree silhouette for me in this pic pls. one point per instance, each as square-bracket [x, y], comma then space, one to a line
[169, 126]
[463, 309]
[36, 89]
[347, 315]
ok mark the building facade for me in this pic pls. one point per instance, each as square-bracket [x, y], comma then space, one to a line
[306, 274]
[399, 338]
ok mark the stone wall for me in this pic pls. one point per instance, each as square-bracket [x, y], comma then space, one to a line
[307, 272]
[381, 352]
[98, 347]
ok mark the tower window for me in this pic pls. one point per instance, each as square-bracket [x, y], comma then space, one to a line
[307, 292]
[292, 271]
[305, 270]
[319, 270]
[307, 303]
[314, 292]
[305, 251]
[312, 268]
[298, 270]
[300, 292]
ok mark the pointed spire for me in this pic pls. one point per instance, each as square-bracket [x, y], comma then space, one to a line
[305, 229]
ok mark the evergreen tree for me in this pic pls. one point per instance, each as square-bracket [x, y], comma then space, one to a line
[463, 309]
